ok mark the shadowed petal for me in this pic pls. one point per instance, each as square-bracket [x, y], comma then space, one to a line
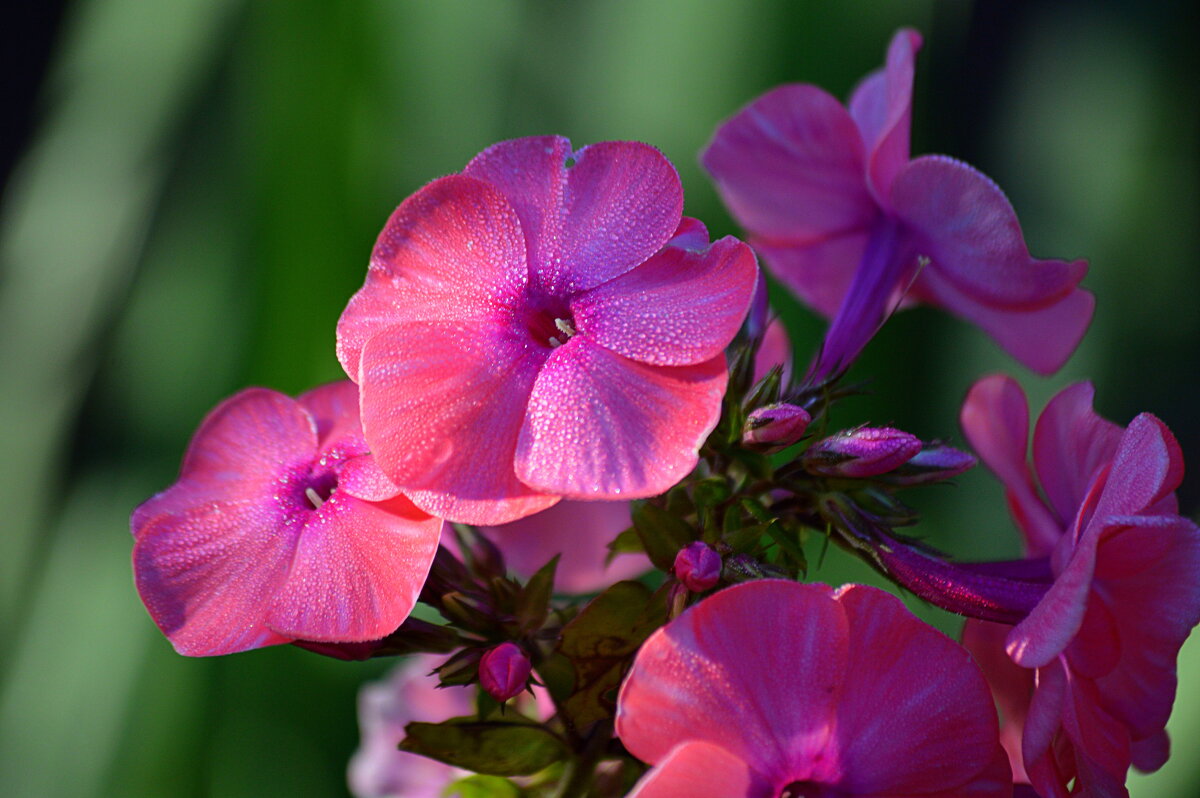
[775, 350]
[971, 234]
[452, 251]
[1070, 445]
[819, 273]
[603, 426]
[791, 165]
[882, 108]
[1012, 685]
[1147, 467]
[443, 404]
[701, 770]
[677, 309]
[334, 410]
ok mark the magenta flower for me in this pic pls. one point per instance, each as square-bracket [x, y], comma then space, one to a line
[544, 325]
[861, 452]
[844, 218]
[578, 531]
[1125, 594]
[504, 671]
[280, 528]
[698, 567]
[775, 427]
[774, 688]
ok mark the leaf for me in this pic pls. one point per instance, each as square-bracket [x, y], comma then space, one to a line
[600, 641]
[628, 542]
[479, 786]
[662, 534]
[496, 748]
[533, 602]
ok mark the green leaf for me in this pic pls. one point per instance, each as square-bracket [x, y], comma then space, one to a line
[533, 602]
[480, 786]
[711, 492]
[662, 534]
[496, 748]
[599, 643]
[628, 542]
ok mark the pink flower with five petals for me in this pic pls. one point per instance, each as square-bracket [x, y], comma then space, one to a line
[774, 688]
[543, 325]
[280, 528]
[843, 217]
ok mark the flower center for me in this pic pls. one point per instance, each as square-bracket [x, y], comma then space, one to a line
[320, 487]
[807, 789]
[551, 327]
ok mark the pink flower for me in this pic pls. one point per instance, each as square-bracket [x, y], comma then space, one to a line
[832, 200]
[1104, 638]
[533, 329]
[504, 671]
[861, 452]
[280, 527]
[774, 686]
[775, 427]
[698, 567]
[580, 532]
[378, 769]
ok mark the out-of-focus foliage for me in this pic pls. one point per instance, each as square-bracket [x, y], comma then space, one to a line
[205, 184]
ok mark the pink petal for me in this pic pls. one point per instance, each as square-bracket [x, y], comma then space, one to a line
[1151, 753]
[701, 770]
[691, 234]
[820, 271]
[362, 478]
[1012, 685]
[357, 570]
[603, 426]
[1040, 339]
[237, 454]
[1041, 726]
[334, 410]
[790, 165]
[1102, 744]
[1070, 445]
[677, 309]
[208, 574]
[580, 532]
[966, 226]
[725, 673]
[1147, 467]
[452, 251]
[775, 350]
[939, 733]
[585, 224]
[882, 108]
[995, 420]
[442, 405]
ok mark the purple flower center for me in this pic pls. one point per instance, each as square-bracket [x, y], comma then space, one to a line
[808, 789]
[550, 324]
[320, 486]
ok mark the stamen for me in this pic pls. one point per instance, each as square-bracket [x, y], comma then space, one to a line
[314, 498]
[565, 327]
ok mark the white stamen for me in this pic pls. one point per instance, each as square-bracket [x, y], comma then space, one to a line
[314, 498]
[565, 327]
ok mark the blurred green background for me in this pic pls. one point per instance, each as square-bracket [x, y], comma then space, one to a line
[200, 184]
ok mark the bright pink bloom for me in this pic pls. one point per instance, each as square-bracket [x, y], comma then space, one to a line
[532, 329]
[861, 452]
[832, 200]
[378, 769]
[773, 684]
[578, 531]
[1126, 590]
[280, 527]
[504, 671]
[698, 567]
[775, 427]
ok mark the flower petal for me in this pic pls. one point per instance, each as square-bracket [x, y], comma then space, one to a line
[775, 350]
[995, 420]
[700, 770]
[677, 309]
[1070, 445]
[334, 410]
[940, 731]
[442, 405]
[603, 426]
[207, 575]
[1042, 725]
[1147, 467]
[585, 224]
[973, 236]
[452, 251]
[1012, 685]
[820, 271]
[725, 672]
[357, 571]
[791, 166]
[882, 108]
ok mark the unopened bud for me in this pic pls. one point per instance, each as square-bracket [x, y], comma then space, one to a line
[504, 671]
[698, 567]
[775, 427]
[934, 463]
[862, 452]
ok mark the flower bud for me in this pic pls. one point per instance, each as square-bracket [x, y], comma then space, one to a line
[504, 671]
[775, 427]
[698, 567]
[862, 452]
[934, 463]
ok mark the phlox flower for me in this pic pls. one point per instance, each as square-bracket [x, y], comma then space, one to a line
[774, 688]
[544, 325]
[844, 218]
[280, 528]
[1089, 678]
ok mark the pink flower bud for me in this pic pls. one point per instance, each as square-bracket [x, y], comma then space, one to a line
[504, 671]
[934, 463]
[775, 427]
[862, 452]
[698, 567]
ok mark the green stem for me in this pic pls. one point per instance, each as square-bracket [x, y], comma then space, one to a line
[579, 772]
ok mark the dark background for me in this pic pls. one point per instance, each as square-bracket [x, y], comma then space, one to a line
[191, 190]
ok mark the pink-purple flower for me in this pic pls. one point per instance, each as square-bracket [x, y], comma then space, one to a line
[1105, 636]
[504, 671]
[280, 527]
[543, 325]
[845, 219]
[773, 687]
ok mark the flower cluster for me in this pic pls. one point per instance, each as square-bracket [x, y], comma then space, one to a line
[558, 383]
